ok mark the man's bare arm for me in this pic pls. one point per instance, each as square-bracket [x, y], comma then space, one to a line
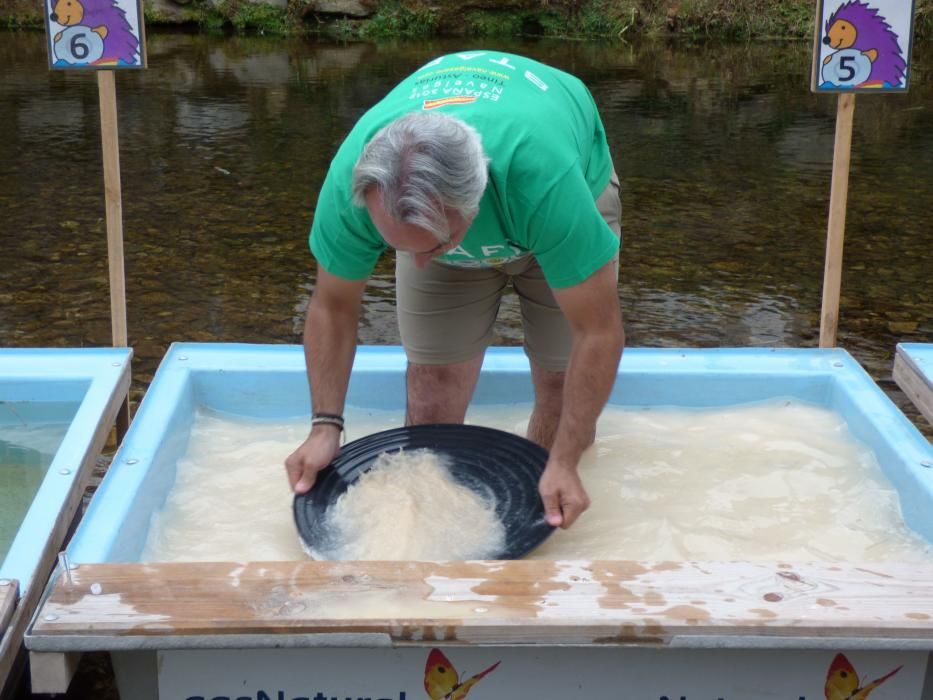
[593, 311]
[330, 346]
[330, 339]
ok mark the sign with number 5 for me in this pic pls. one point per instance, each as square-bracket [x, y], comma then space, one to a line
[95, 34]
[862, 45]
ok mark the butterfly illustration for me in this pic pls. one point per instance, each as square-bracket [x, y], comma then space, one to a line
[442, 682]
[842, 683]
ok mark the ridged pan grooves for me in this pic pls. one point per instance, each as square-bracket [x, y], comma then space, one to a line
[500, 466]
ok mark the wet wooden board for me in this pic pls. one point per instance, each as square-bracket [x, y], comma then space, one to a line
[10, 632]
[525, 602]
[914, 375]
[9, 591]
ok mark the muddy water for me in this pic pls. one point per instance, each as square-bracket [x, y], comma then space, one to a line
[777, 481]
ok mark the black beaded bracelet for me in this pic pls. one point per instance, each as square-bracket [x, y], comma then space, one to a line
[327, 419]
[332, 416]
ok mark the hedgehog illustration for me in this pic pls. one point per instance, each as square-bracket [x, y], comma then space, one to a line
[104, 18]
[866, 51]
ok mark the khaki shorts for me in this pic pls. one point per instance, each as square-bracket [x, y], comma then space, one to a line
[446, 314]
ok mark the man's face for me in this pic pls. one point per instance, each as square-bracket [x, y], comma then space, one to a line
[414, 240]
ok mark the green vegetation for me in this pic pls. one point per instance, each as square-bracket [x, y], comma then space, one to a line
[595, 19]
[737, 18]
[397, 18]
[508, 23]
[252, 17]
[923, 22]
[612, 19]
[154, 16]
[15, 14]
[418, 19]
[602, 18]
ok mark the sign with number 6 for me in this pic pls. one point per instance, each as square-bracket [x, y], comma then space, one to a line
[95, 34]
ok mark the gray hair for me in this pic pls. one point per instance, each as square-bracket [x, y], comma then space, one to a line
[424, 162]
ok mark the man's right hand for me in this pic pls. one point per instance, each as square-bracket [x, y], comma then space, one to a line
[312, 456]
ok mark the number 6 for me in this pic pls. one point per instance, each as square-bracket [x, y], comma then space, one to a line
[79, 49]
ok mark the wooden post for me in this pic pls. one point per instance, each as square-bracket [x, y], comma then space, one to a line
[832, 274]
[52, 673]
[110, 141]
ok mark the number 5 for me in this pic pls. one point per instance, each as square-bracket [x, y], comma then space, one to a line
[844, 66]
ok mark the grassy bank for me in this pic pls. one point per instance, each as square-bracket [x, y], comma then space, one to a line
[587, 19]
[599, 18]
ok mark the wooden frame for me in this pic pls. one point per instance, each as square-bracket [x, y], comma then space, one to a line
[9, 592]
[684, 604]
[914, 383]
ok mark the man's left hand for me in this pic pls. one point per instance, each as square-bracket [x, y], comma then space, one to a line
[563, 495]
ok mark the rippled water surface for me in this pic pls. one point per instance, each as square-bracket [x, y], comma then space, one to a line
[724, 156]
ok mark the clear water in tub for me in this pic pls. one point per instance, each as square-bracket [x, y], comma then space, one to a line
[26, 451]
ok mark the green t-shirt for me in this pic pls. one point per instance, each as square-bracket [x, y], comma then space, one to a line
[549, 161]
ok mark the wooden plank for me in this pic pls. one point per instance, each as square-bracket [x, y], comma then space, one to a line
[52, 673]
[835, 233]
[506, 603]
[9, 639]
[915, 383]
[9, 592]
[12, 624]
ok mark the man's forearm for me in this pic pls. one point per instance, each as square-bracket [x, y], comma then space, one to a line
[330, 346]
[591, 373]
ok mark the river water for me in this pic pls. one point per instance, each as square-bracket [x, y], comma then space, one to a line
[724, 155]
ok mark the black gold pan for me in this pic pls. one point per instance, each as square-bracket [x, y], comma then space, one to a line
[503, 468]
